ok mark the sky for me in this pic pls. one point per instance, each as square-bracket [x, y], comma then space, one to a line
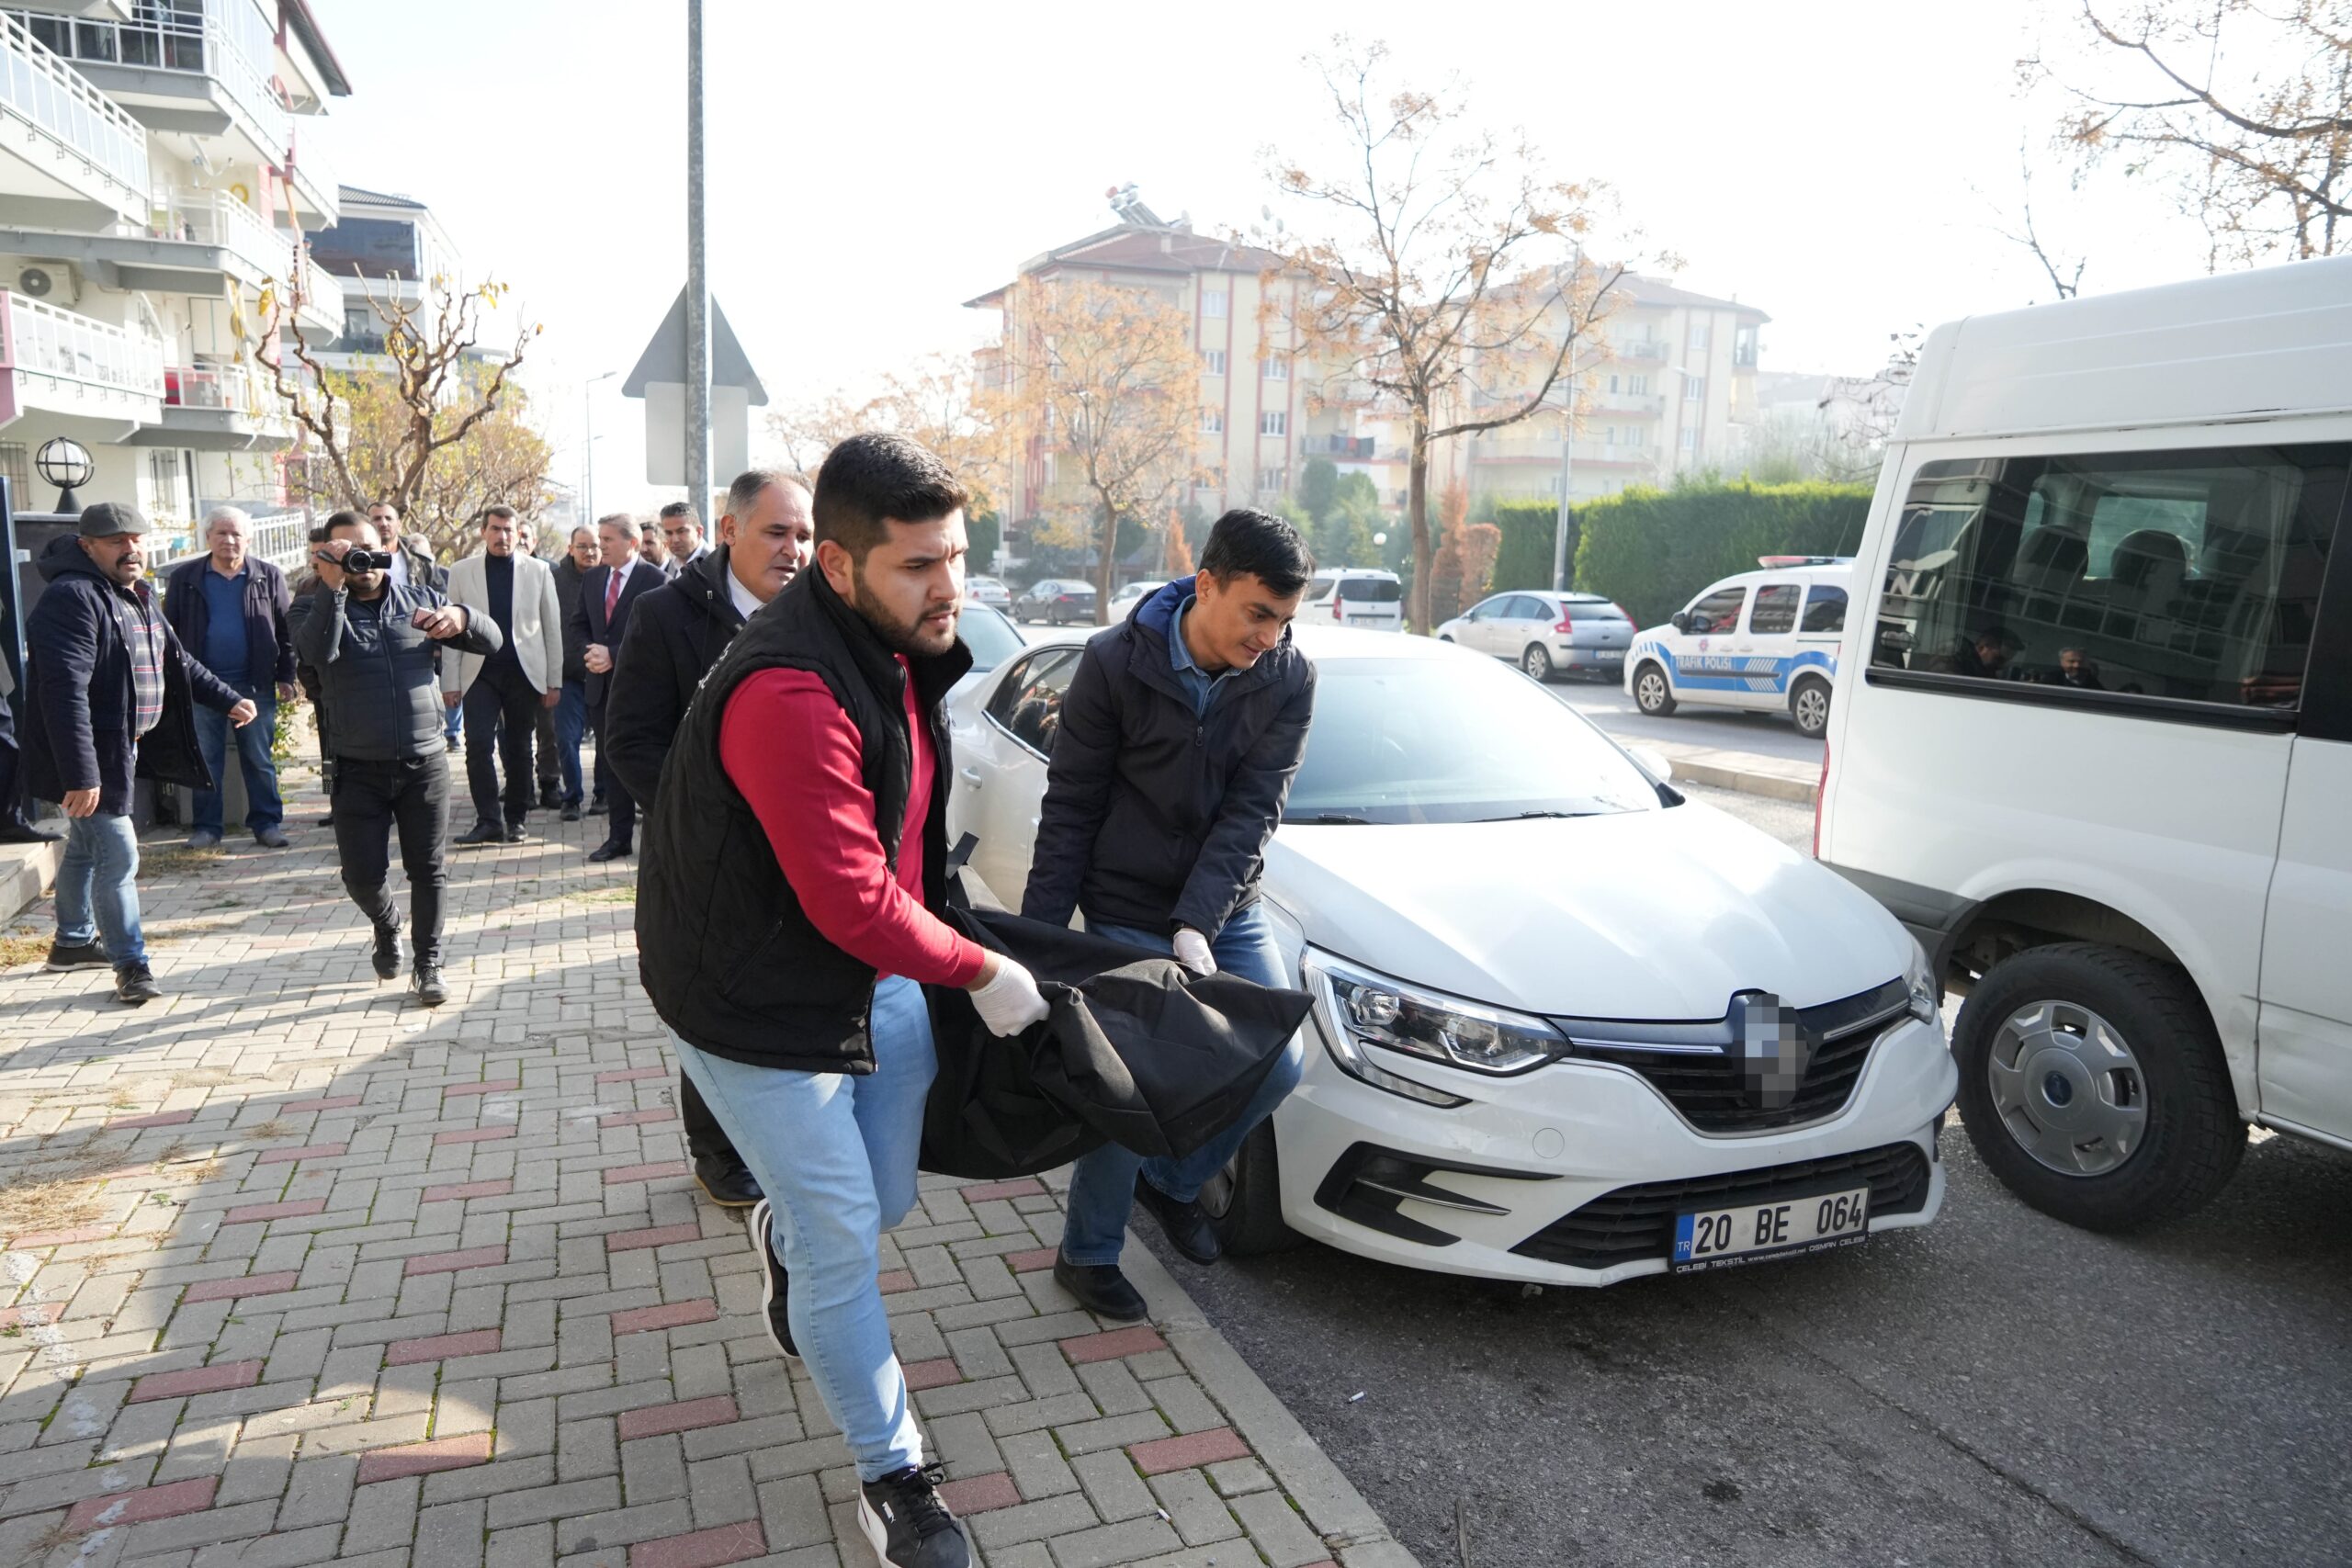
[1844, 166]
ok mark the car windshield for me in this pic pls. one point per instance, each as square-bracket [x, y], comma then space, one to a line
[991, 637]
[1453, 740]
[1370, 590]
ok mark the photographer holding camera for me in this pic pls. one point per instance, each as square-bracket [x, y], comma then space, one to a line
[371, 640]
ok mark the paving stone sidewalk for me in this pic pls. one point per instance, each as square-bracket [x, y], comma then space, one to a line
[296, 1271]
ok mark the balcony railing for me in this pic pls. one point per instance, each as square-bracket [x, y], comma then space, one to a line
[1346, 449]
[230, 387]
[322, 293]
[228, 41]
[1641, 348]
[308, 165]
[281, 538]
[216, 218]
[37, 339]
[56, 98]
[1629, 402]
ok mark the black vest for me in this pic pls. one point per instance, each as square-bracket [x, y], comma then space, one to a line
[729, 958]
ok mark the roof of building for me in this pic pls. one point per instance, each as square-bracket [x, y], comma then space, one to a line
[314, 41]
[1657, 291]
[1140, 242]
[349, 194]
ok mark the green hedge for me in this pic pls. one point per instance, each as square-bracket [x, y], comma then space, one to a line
[1651, 549]
[1525, 559]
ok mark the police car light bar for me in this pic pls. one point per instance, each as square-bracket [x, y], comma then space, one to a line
[1774, 562]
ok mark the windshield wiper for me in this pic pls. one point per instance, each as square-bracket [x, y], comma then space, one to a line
[1538, 815]
[1331, 819]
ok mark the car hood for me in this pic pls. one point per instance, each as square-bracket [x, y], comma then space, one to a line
[1642, 915]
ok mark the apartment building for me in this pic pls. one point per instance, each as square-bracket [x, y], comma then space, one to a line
[156, 173]
[1264, 413]
[384, 252]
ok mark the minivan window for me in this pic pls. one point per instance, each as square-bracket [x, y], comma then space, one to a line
[1825, 609]
[1317, 587]
[1718, 612]
[1370, 590]
[2192, 575]
[1776, 609]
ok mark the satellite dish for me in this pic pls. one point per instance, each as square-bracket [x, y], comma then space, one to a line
[35, 284]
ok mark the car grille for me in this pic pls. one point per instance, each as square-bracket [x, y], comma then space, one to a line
[1636, 1223]
[1708, 1087]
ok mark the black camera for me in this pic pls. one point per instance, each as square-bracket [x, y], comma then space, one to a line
[366, 560]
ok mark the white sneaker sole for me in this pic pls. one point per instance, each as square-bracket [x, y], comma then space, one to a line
[758, 1225]
[870, 1525]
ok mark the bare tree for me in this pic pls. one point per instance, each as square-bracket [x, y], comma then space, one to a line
[2022, 232]
[2246, 106]
[937, 402]
[1435, 267]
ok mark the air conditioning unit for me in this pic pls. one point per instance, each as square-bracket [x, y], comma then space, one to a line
[52, 282]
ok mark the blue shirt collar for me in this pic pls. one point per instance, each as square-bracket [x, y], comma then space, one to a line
[1198, 682]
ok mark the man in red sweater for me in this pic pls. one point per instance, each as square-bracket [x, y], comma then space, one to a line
[795, 856]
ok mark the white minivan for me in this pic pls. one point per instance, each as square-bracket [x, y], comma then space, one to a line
[2093, 735]
[1762, 640]
[1357, 596]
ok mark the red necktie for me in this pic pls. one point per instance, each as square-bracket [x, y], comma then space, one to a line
[611, 595]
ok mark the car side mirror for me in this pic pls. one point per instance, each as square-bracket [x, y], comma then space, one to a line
[1679, 620]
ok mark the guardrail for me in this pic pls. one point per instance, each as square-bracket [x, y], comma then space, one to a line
[59, 101]
[40, 339]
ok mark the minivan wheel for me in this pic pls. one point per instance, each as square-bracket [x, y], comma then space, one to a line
[1809, 706]
[1536, 663]
[1651, 694]
[1244, 1200]
[2093, 1084]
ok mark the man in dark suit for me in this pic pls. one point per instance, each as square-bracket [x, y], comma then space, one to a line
[606, 598]
[571, 713]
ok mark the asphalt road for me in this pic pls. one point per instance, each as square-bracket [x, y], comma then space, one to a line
[1996, 1388]
[1733, 729]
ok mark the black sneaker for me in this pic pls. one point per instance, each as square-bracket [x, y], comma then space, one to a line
[483, 833]
[88, 954]
[773, 1282]
[426, 984]
[1101, 1289]
[1186, 1225]
[908, 1524]
[514, 833]
[135, 984]
[548, 799]
[387, 952]
[571, 811]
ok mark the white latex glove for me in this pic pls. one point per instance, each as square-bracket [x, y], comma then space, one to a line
[1009, 1003]
[1193, 952]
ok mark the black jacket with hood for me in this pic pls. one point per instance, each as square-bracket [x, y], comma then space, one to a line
[376, 670]
[79, 700]
[676, 634]
[1155, 817]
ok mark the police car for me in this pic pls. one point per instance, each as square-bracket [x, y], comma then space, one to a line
[1763, 640]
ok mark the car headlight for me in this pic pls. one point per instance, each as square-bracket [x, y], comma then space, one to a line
[1359, 1008]
[1927, 990]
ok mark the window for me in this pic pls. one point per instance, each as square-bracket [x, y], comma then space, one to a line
[1608, 436]
[1743, 346]
[1275, 369]
[2191, 576]
[1269, 481]
[1212, 421]
[1317, 587]
[1718, 612]
[1612, 383]
[1825, 609]
[1638, 384]
[1690, 439]
[1216, 358]
[17, 466]
[1273, 421]
[1694, 388]
[1776, 609]
[1701, 336]
[1213, 302]
[1636, 436]
[1029, 703]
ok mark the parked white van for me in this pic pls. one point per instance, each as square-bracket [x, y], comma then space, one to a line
[2093, 740]
[1357, 596]
[1762, 640]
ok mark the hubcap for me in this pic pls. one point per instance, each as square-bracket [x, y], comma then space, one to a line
[1813, 708]
[1535, 662]
[1650, 689]
[2067, 1087]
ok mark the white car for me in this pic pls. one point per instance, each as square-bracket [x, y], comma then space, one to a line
[1570, 1027]
[1129, 595]
[1546, 633]
[989, 591]
[1360, 596]
[1763, 640]
[2094, 742]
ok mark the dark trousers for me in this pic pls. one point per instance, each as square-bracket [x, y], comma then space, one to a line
[371, 801]
[501, 715]
[12, 810]
[620, 811]
[546, 772]
[705, 1139]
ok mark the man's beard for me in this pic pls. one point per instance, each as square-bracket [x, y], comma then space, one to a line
[911, 639]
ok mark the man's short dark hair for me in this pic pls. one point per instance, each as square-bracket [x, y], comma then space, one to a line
[391, 506]
[347, 520]
[753, 483]
[319, 533]
[871, 481]
[1261, 545]
[684, 509]
[500, 510]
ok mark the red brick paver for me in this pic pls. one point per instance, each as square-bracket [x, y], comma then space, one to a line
[423, 1459]
[921, 1375]
[632, 1075]
[242, 1285]
[980, 1494]
[1111, 1346]
[467, 1189]
[307, 1151]
[637, 1320]
[621, 1175]
[703, 1549]
[138, 1508]
[683, 1416]
[473, 1135]
[1031, 1261]
[1188, 1452]
[494, 1085]
[290, 1210]
[660, 1236]
[194, 1380]
[440, 1347]
[447, 1262]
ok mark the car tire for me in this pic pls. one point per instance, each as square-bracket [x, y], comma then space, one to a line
[1652, 693]
[1244, 1200]
[2190, 1135]
[1537, 663]
[1809, 706]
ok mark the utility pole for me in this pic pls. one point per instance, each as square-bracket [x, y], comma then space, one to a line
[588, 446]
[698, 486]
[1567, 461]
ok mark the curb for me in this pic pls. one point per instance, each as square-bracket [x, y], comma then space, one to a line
[1745, 780]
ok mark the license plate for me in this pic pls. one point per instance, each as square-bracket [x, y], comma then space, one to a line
[1724, 1239]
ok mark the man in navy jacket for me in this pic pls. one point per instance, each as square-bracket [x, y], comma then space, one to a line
[109, 691]
[228, 609]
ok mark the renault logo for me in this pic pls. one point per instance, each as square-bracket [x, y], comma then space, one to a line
[1773, 1050]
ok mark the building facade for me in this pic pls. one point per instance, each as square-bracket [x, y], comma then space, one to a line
[156, 176]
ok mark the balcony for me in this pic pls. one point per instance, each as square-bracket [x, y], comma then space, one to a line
[201, 66]
[62, 363]
[1642, 350]
[321, 303]
[318, 198]
[79, 161]
[218, 408]
[1339, 448]
[1650, 403]
[1545, 450]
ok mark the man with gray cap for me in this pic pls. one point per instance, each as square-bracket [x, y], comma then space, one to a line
[109, 693]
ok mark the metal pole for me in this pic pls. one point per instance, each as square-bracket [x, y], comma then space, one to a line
[1568, 459]
[697, 281]
[587, 452]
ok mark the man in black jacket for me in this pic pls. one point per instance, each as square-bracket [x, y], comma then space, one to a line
[572, 710]
[108, 690]
[1179, 734]
[372, 642]
[228, 608]
[607, 597]
[675, 635]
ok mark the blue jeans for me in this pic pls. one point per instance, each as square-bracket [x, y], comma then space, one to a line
[1102, 1184]
[836, 1154]
[570, 724]
[97, 887]
[450, 720]
[263, 808]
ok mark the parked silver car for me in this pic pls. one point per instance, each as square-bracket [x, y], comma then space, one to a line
[1546, 633]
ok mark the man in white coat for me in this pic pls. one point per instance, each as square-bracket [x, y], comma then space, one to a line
[501, 693]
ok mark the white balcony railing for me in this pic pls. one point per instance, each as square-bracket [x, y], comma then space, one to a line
[55, 98]
[1628, 403]
[232, 387]
[38, 339]
[314, 174]
[1641, 348]
[322, 293]
[230, 40]
[216, 218]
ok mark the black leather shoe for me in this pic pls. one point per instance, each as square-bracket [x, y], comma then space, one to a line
[270, 838]
[514, 833]
[387, 952]
[427, 985]
[548, 800]
[483, 833]
[14, 832]
[1186, 1225]
[91, 954]
[611, 849]
[571, 812]
[135, 984]
[728, 1179]
[1101, 1289]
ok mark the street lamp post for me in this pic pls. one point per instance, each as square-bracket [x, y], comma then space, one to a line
[1568, 462]
[588, 444]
